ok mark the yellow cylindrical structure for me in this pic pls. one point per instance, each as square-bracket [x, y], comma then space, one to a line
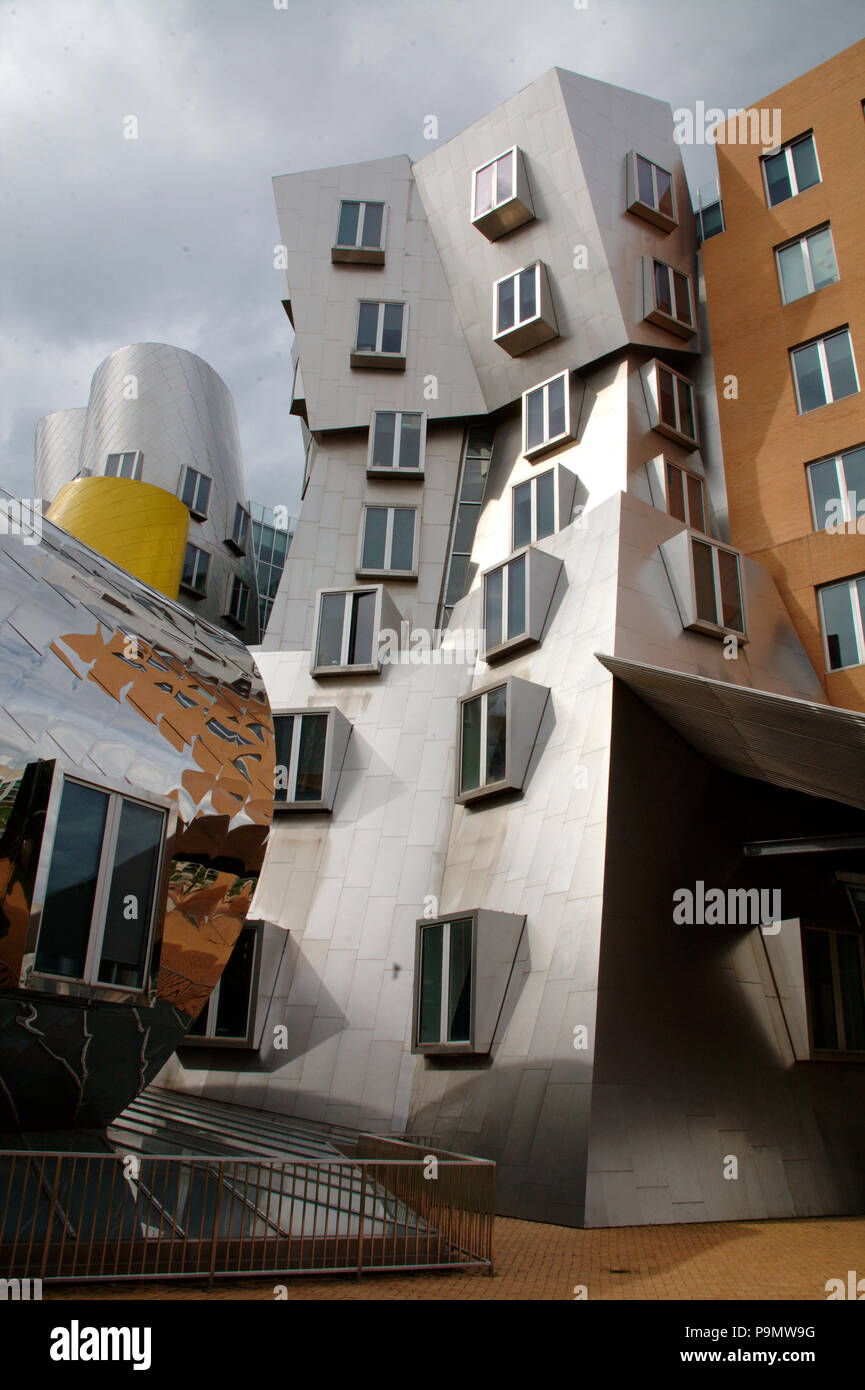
[138, 526]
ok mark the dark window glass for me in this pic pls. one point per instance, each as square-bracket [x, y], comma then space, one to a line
[683, 298]
[493, 610]
[546, 505]
[467, 520]
[686, 408]
[535, 424]
[330, 630]
[372, 223]
[731, 597]
[310, 757]
[391, 338]
[777, 178]
[383, 438]
[818, 963]
[517, 597]
[283, 726]
[675, 492]
[374, 531]
[666, 398]
[456, 585]
[849, 952]
[189, 481]
[362, 621]
[506, 305]
[839, 359]
[528, 294]
[805, 163]
[809, 378]
[522, 508]
[497, 703]
[854, 475]
[429, 1013]
[704, 582]
[839, 626]
[459, 981]
[347, 233]
[824, 267]
[64, 929]
[112, 463]
[367, 327]
[663, 289]
[470, 774]
[235, 989]
[132, 895]
[556, 390]
[409, 441]
[472, 489]
[696, 508]
[402, 541]
[645, 187]
[825, 492]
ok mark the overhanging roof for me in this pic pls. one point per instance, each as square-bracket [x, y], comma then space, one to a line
[811, 748]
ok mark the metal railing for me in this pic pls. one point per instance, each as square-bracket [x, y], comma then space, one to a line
[75, 1216]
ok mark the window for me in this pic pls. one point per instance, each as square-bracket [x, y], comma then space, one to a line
[668, 301]
[381, 332]
[837, 487]
[195, 566]
[523, 315]
[497, 732]
[397, 441]
[123, 465]
[672, 400]
[650, 192]
[517, 598]
[824, 371]
[546, 415]
[195, 492]
[841, 616]
[445, 987]
[239, 530]
[476, 463]
[717, 586]
[99, 885]
[347, 625]
[806, 265]
[310, 750]
[388, 541]
[360, 233]
[793, 169]
[501, 200]
[835, 974]
[534, 509]
[238, 599]
[228, 1015]
[685, 497]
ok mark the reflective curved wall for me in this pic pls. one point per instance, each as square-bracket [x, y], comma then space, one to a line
[136, 776]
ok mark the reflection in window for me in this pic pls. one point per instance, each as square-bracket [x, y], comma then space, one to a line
[346, 628]
[483, 740]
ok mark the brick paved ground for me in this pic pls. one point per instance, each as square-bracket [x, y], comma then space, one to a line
[737, 1260]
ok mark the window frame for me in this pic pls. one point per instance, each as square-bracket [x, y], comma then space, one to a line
[195, 590]
[704, 624]
[841, 1051]
[802, 240]
[337, 732]
[503, 783]
[193, 507]
[820, 344]
[232, 592]
[393, 470]
[211, 1007]
[370, 668]
[532, 483]
[540, 327]
[517, 323]
[661, 425]
[444, 1046]
[849, 582]
[118, 792]
[549, 442]
[786, 150]
[386, 572]
[499, 203]
[506, 214]
[526, 703]
[137, 457]
[356, 253]
[851, 519]
[362, 357]
[650, 212]
[687, 473]
[237, 542]
[653, 312]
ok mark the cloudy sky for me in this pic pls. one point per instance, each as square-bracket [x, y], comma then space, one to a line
[170, 237]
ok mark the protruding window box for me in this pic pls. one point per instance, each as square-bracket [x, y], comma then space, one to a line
[668, 299]
[237, 601]
[380, 340]
[497, 729]
[517, 598]
[549, 415]
[650, 192]
[463, 965]
[671, 403]
[349, 625]
[239, 530]
[707, 585]
[360, 235]
[228, 1017]
[310, 751]
[523, 313]
[679, 491]
[501, 197]
[542, 505]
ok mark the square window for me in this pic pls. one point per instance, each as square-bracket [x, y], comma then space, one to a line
[706, 579]
[195, 492]
[523, 314]
[806, 265]
[501, 200]
[517, 599]
[381, 335]
[650, 192]
[791, 170]
[841, 620]
[388, 541]
[397, 443]
[106, 847]
[310, 750]
[196, 563]
[360, 225]
[824, 371]
[124, 465]
[497, 731]
[837, 488]
[546, 415]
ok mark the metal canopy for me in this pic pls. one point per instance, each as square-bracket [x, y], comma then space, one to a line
[811, 748]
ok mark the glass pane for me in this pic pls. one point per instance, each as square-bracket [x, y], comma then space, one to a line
[809, 378]
[818, 964]
[472, 489]
[805, 164]
[696, 510]
[838, 626]
[188, 576]
[456, 585]
[675, 492]
[666, 398]
[546, 505]
[791, 268]
[504, 178]
[522, 508]
[391, 338]
[111, 465]
[470, 770]
[517, 597]
[686, 408]
[528, 300]
[347, 232]
[645, 186]
[383, 439]
[372, 220]
[825, 492]
[64, 929]
[459, 981]
[556, 399]
[402, 544]
[535, 424]
[665, 191]
[839, 358]
[505, 313]
[704, 582]
[283, 725]
[190, 478]
[367, 327]
[682, 297]
[330, 630]
[202, 494]
[467, 520]
[202, 566]
[494, 585]
[310, 757]
[362, 622]
[777, 178]
[853, 464]
[235, 988]
[852, 990]
[731, 596]
[132, 895]
[497, 703]
[663, 289]
[374, 531]
[409, 441]
[484, 189]
[430, 1010]
[824, 268]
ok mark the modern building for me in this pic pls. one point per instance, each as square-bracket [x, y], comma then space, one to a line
[150, 474]
[591, 904]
